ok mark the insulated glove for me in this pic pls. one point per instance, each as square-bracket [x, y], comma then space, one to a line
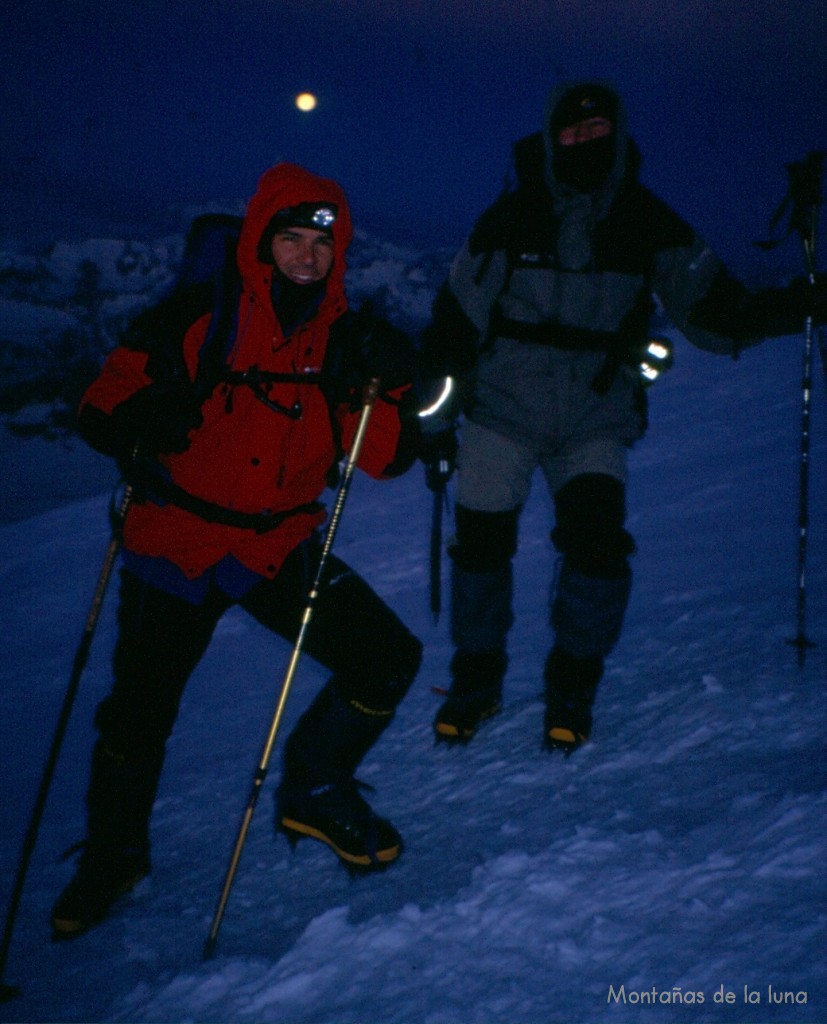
[731, 309]
[777, 311]
[165, 413]
[381, 350]
[158, 419]
[801, 298]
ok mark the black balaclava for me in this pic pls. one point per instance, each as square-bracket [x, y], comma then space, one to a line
[294, 304]
[584, 166]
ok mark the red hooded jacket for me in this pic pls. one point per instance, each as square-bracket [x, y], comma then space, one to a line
[246, 456]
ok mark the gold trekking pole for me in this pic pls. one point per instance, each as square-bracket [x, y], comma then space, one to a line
[368, 401]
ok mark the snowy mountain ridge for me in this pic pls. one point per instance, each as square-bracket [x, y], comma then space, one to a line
[62, 310]
[69, 276]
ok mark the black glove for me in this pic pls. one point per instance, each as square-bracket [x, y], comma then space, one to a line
[165, 413]
[438, 453]
[381, 350]
[729, 308]
[157, 419]
[783, 310]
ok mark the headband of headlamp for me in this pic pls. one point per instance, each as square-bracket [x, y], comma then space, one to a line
[319, 216]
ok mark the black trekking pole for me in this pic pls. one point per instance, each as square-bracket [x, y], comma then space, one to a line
[81, 656]
[806, 192]
[439, 505]
[439, 468]
[804, 199]
[369, 399]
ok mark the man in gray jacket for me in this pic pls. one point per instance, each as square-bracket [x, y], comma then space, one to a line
[541, 325]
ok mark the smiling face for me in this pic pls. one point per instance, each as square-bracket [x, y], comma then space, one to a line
[303, 255]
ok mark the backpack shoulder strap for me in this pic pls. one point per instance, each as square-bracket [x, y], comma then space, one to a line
[210, 260]
[207, 281]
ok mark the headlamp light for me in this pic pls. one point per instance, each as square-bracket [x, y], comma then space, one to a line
[323, 217]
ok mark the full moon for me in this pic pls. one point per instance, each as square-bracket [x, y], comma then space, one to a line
[306, 101]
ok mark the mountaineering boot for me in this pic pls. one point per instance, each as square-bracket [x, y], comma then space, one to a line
[116, 852]
[337, 814]
[318, 796]
[475, 694]
[101, 878]
[571, 684]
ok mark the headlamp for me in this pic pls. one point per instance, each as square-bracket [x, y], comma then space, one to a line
[323, 217]
[320, 216]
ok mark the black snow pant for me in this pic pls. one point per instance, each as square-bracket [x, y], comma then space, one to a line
[372, 656]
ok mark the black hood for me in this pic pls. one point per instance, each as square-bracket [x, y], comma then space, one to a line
[559, 96]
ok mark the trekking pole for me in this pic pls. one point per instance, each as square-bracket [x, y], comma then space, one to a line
[437, 478]
[805, 198]
[800, 640]
[368, 401]
[81, 655]
[439, 504]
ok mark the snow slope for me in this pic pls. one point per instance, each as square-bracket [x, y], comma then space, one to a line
[673, 870]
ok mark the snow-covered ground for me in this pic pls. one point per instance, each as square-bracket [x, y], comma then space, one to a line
[673, 870]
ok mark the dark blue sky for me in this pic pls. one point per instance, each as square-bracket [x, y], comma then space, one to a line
[115, 112]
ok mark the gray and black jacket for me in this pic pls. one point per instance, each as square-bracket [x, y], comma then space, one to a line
[554, 291]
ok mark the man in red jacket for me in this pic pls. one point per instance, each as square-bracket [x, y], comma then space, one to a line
[231, 452]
